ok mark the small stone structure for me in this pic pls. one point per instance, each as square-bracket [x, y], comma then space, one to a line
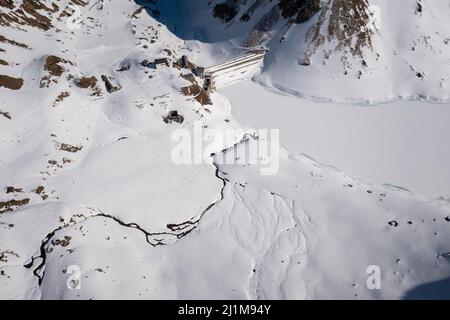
[173, 116]
[161, 63]
[110, 84]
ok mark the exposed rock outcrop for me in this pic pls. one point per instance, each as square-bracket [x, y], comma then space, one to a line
[343, 25]
[301, 10]
[294, 11]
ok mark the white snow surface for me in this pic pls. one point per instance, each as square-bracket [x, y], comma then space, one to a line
[397, 143]
[138, 226]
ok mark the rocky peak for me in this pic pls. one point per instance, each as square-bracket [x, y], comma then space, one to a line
[343, 25]
[300, 10]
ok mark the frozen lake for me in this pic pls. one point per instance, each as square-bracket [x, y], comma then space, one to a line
[404, 143]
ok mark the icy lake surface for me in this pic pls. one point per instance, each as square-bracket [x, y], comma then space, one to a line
[398, 143]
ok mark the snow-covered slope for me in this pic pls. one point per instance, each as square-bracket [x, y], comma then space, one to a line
[400, 54]
[364, 50]
[88, 184]
[71, 151]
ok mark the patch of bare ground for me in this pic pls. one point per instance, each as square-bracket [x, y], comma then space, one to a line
[56, 164]
[4, 255]
[199, 94]
[7, 226]
[136, 13]
[64, 242]
[41, 192]
[69, 148]
[33, 13]
[90, 83]
[5, 114]
[54, 67]
[11, 189]
[10, 82]
[8, 4]
[60, 98]
[3, 63]
[13, 204]
[69, 11]
[13, 42]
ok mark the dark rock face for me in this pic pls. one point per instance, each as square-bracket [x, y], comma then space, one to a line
[302, 10]
[228, 10]
[308, 11]
[224, 12]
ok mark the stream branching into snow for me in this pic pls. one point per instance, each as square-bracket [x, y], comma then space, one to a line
[155, 239]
